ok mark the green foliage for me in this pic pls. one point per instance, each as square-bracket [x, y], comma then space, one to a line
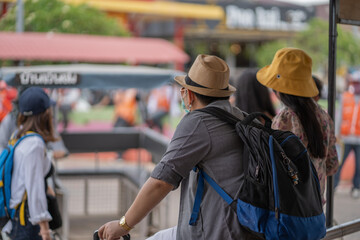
[315, 41]
[267, 51]
[347, 48]
[57, 16]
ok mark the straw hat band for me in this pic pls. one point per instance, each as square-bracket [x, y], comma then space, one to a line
[190, 82]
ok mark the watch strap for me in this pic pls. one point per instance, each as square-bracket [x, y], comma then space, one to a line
[123, 224]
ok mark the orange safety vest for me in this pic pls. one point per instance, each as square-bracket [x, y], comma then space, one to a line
[5, 105]
[125, 106]
[350, 124]
[163, 102]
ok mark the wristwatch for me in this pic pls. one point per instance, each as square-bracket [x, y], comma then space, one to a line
[123, 224]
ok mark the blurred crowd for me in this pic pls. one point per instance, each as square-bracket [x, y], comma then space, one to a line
[131, 107]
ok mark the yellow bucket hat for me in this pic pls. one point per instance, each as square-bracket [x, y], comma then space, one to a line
[290, 73]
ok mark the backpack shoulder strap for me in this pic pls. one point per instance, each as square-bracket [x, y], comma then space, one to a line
[25, 136]
[221, 114]
[231, 119]
[200, 190]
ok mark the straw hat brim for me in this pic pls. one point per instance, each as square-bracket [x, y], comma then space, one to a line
[206, 91]
[283, 84]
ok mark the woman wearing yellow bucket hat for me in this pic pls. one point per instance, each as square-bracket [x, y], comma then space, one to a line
[289, 75]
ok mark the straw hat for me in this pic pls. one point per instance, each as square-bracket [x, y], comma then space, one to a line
[290, 73]
[209, 76]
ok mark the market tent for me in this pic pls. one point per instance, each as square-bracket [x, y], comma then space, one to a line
[88, 76]
[88, 48]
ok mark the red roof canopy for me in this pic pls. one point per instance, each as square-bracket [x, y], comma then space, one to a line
[88, 48]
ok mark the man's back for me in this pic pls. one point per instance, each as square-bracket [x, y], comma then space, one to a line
[204, 140]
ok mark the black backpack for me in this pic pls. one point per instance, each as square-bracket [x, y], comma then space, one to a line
[280, 197]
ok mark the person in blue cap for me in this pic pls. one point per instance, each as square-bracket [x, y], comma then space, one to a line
[31, 166]
[8, 127]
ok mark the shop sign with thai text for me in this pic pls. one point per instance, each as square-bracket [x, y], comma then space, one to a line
[47, 78]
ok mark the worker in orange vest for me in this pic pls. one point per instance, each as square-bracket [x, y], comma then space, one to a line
[7, 94]
[348, 128]
[125, 107]
[159, 106]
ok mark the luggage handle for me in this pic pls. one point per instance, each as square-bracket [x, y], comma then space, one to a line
[96, 236]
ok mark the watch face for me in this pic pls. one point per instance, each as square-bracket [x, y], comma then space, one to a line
[122, 221]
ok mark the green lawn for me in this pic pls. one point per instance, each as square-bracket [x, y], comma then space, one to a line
[103, 114]
[324, 103]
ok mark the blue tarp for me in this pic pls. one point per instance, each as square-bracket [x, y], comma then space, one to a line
[91, 76]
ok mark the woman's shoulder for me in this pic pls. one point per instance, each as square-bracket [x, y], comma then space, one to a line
[287, 120]
[31, 143]
[285, 114]
[324, 118]
[322, 112]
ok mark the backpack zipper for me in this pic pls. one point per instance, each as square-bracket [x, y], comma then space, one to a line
[290, 171]
[257, 169]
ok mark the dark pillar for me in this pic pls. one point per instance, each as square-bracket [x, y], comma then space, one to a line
[331, 103]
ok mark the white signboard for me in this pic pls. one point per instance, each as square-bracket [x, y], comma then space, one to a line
[47, 78]
[265, 18]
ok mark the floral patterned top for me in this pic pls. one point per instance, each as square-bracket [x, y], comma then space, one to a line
[287, 120]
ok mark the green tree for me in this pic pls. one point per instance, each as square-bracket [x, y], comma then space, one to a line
[57, 16]
[315, 41]
[266, 52]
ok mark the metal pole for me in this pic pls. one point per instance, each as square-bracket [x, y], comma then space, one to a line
[20, 24]
[331, 103]
[20, 16]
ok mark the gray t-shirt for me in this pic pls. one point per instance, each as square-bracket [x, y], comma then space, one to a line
[202, 139]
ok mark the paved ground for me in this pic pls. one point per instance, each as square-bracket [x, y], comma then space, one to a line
[346, 208]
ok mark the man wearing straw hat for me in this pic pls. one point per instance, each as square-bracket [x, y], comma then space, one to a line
[200, 140]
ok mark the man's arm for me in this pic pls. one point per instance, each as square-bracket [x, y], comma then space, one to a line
[150, 195]
[7, 127]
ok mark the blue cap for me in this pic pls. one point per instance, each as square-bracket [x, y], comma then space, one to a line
[33, 101]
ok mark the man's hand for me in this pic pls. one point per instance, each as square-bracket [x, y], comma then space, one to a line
[112, 231]
[150, 195]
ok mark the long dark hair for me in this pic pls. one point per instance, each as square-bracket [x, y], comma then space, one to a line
[41, 124]
[252, 96]
[304, 108]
